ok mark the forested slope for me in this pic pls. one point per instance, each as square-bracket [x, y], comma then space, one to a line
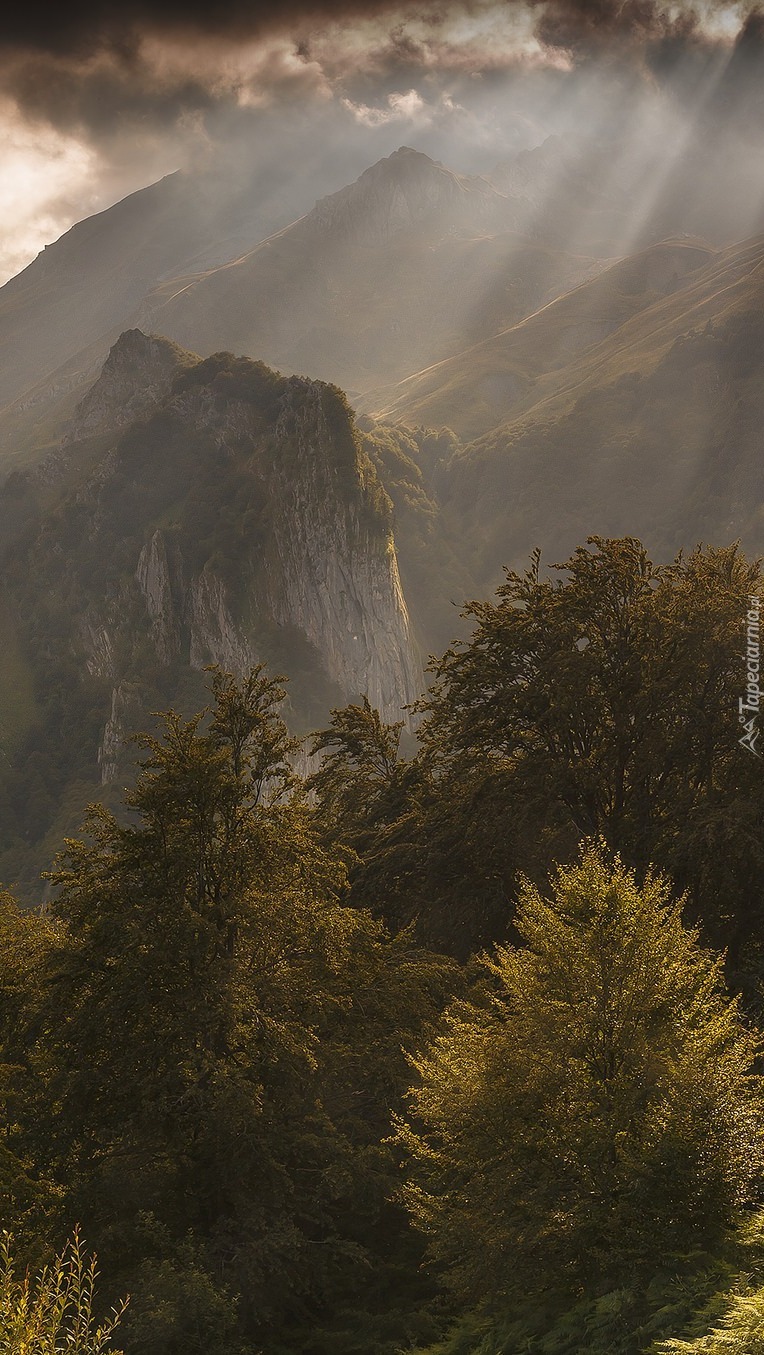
[437, 1051]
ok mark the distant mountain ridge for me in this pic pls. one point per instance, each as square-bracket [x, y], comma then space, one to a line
[655, 431]
[403, 267]
[408, 266]
[403, 191]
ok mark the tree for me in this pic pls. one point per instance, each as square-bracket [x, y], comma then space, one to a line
[25, 944]
[360, 761]
[225, 1038]
[415, 837]
[604, 702]
[365, 797]
[597, 1110]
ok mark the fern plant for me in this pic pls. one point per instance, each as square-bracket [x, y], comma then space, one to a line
[740, 1332]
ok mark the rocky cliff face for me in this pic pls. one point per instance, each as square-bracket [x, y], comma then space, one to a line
[335, 571]
[153, 578]
[135, 378]
[232, 519]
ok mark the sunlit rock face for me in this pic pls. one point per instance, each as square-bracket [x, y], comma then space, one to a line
[334, 571]
[230, 514]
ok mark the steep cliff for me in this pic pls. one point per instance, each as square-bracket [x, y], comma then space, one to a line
[201, 512]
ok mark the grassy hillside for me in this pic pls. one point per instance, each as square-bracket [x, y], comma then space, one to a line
[655, 431]
[509, 372]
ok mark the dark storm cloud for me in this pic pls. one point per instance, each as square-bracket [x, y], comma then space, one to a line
[101, 70]
[80, 27]
[593, 24]
[114, 93]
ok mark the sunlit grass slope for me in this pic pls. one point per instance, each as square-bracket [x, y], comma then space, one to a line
[507, 373]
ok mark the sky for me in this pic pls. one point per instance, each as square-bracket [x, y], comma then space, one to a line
[99, 99]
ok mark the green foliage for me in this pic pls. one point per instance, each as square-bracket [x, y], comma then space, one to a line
[604, 702]
[413, 834]
[55, 1311]
[25, 945]
[741, 1331]
[598, 1109]
[624, 1321]
[182, 1307]
[224, 1043]
[733, 1322]
[600, 702]
[359, 763]
[236, 378]
[202, 1045]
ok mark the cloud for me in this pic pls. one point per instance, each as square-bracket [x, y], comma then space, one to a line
[125, 92]
[92, 62]
[82, 26]
[157, 73]
[44, 178]
[409, 107]
[145, 81]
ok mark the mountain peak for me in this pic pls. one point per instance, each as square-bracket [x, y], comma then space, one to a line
[138, 373]
[409, 153]
[405, 190]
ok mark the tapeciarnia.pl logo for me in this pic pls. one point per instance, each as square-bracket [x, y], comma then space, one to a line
[750, 705]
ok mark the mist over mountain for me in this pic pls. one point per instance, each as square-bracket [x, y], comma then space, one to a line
[479, 388]
[60, 315]
[396, 271]
[531, 359]
[407, 265]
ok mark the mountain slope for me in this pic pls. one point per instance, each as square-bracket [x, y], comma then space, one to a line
[60, 315]
[477, 389]
[82, 286]
[407, 265]
[654, 432]
[404, 266]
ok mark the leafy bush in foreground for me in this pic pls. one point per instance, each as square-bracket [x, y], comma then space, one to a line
[54, 1311]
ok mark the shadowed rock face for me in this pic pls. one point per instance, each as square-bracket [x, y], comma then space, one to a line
[229, 513]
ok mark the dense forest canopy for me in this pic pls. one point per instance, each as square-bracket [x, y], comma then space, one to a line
[438, 1051]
